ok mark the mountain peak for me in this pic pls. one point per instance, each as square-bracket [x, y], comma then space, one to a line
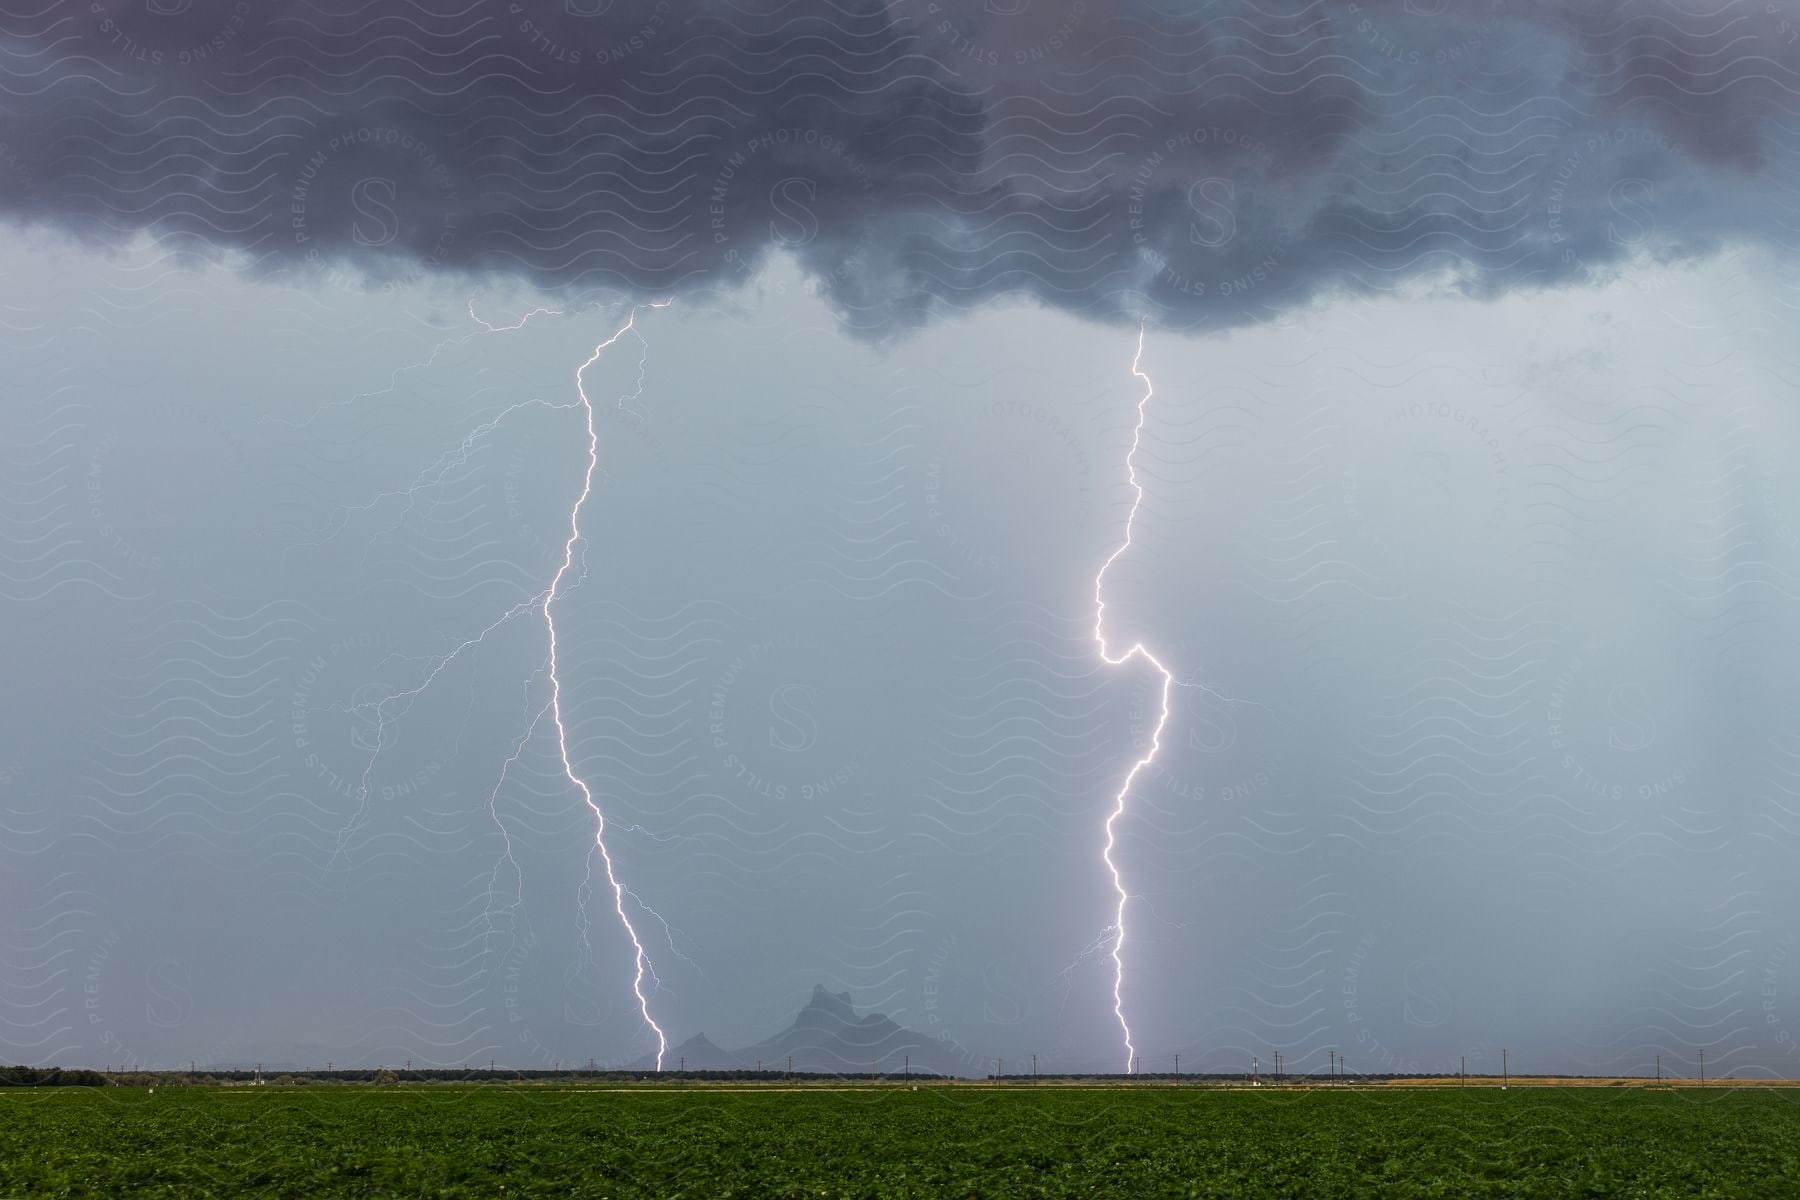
[837, 1004]
[826, 1035]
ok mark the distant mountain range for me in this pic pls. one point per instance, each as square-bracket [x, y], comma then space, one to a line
[826, 1035]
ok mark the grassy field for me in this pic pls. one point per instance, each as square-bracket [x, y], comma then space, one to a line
[443, 1141]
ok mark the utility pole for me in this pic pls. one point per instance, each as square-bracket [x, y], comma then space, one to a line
[1178, 1070]
[790, 1069]
[1255, 1070]
[1659, 1068]
[683, 1067]
[999, 1069]
[906, 1068]
[1034, 1067]
[1331, 1063]
[1462, 1070]
[1505, 1074]
[1703, 1068]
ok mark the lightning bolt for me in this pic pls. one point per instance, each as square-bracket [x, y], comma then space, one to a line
[545, 599]
[1136, 650]
[380, 709]
[436, 473]
[425, 480]
[428, 360]
[493, 806]
[642, 959]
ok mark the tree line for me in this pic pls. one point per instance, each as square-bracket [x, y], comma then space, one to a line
[50, 1077]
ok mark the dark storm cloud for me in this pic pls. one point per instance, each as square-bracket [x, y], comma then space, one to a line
[1191, 163]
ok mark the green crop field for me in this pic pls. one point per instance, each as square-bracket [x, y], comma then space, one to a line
[496, 1140]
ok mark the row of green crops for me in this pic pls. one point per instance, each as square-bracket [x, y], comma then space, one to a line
[494, 1140]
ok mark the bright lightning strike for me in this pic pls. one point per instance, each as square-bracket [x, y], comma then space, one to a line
[435, 475]
[562, 741]
[1137, 650]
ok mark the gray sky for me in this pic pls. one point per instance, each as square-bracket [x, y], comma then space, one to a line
[1498, 593]
[1466, 527]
